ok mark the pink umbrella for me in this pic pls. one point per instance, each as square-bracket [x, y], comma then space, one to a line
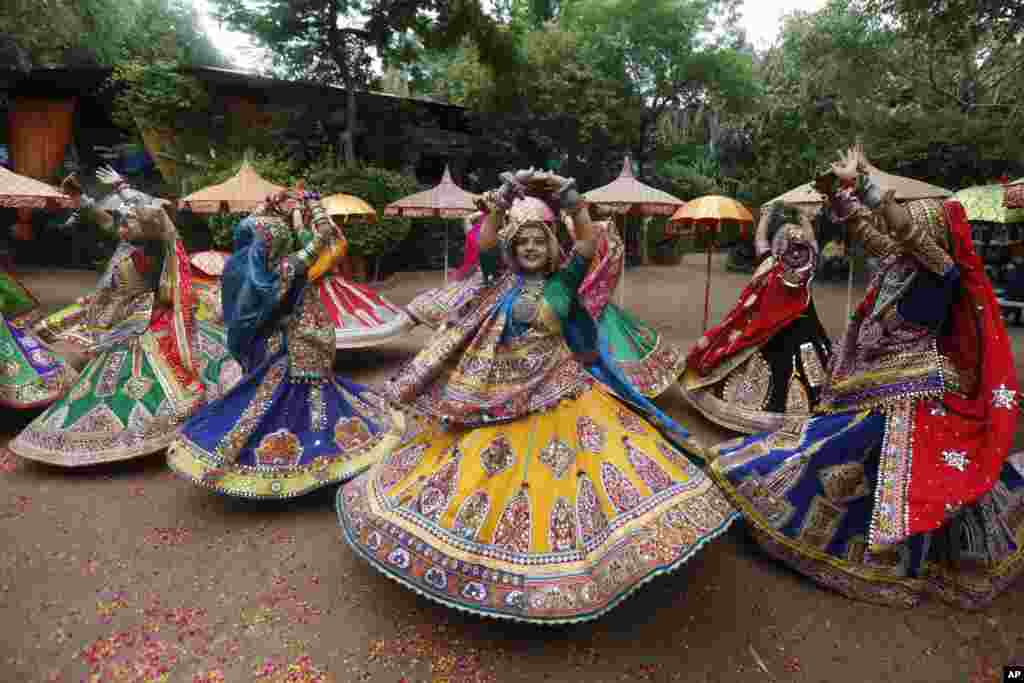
[628, 196]
[445, 200]
[21, 192]
[24, 194]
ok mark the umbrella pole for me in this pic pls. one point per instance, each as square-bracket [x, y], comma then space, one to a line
[622, 287]
[707, 283]
[446, 253]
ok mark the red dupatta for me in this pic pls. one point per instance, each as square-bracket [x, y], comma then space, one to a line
[765, 306]
[959, 447]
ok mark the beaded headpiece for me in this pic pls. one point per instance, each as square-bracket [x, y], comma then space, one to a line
[526, 211]
[529, 211]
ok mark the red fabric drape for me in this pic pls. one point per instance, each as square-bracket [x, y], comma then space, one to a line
[765, 306]
[959, 450]
[40, 133]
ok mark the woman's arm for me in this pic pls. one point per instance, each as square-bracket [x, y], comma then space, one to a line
[71, 187]
[585, 238]
[468, 221]
[324, 234]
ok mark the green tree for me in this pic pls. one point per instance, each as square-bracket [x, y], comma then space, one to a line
[896, 82]
[554, 107]
[332, 41]
[107, 32]
[666, 53]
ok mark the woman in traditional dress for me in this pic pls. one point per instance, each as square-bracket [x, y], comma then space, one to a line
[360, 315]
[30, 375]
[144, 376]
[901, 485]
[533, 490]
[291, 425]
[765, 362]
[651, 363]
[125, 290]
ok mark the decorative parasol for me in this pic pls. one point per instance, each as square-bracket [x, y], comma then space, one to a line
[347, 206]
[905, 188]
[710, 211]
[628, 196]
[242, 192]
[24, 194]
[445, 200]
[1014, 195]
[987, 203]
[343, 206]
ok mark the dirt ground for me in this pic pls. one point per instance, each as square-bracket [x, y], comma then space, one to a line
[124, 573]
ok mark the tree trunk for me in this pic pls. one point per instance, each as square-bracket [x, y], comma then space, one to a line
[348, 142]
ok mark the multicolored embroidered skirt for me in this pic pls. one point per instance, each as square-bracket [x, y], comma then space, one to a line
[30, 376]
[361, 316]
[552, 518]
[758, 389]
[128, 401]
[808, 494]
[433, 306]
[15, 299]
[275, 437]
[650, 363]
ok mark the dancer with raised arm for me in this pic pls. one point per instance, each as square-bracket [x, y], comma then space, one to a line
[765, 362]
[138, 327]
[901, 484]
[291, 425]
[541, 486]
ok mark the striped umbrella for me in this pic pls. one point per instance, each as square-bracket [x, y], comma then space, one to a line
[628, 196]
[1014, 197]
[240, 193]
[444, 200]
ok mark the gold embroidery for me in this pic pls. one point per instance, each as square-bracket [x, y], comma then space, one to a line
[797, 400]
[820, 523]
[812, 364]
[750, 386]
[844, 482]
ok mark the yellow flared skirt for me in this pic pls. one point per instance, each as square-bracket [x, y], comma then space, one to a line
[554, 517]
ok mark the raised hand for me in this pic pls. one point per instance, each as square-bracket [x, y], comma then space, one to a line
[70, 186]
[108, 176]
[846, 167]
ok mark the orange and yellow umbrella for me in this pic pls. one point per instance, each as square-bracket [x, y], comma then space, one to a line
[345, 207]
[348, 206]
[710, 211]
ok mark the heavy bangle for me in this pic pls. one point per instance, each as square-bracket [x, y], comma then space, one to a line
[868, 192]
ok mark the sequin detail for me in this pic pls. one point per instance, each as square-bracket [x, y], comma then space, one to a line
[498, 456]
[590, 434]
[621, 492]
[471, 515]
[514, 528]
[558, 456]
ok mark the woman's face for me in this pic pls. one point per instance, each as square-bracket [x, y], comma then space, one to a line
[531, 249]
